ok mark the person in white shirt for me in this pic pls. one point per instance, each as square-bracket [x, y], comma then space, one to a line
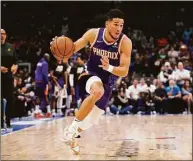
[150, 86]
[173, 55]
[182, 74]
[166, 74]
[133, 91]
[142, 86]
[133, 94]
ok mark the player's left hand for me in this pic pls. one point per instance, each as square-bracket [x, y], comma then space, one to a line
[105, 63]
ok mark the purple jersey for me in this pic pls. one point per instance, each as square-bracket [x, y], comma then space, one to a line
[102, 48]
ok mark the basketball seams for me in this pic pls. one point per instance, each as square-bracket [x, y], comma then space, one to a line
[64, 50]
[58, 48]
[71, 48]
[63, 53]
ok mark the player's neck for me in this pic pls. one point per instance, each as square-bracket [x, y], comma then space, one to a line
[108, 37]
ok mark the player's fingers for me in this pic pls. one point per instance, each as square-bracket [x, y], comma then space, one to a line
[101, 66]
[105, 58]
[54, 38]
[103, 62]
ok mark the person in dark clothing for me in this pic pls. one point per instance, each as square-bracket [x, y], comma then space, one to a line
[75, 72]
[160, 96]
[8, 68]
[59, 88]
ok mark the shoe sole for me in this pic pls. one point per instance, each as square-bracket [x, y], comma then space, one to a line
[74, 150]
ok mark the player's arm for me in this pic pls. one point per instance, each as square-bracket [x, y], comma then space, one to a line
[125, 59]
[87, 38]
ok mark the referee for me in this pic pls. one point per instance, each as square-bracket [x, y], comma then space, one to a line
[8, 68]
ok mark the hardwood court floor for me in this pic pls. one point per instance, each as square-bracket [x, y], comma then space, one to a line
[114, 138]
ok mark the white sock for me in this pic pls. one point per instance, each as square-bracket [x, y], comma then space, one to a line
[37, 107]
[59, 111]
[75, 125]
[48, 109]
[53, 110]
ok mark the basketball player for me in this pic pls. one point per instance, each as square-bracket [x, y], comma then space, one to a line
[109, 59]
[41, 85]
[59, 82]
[77, 69]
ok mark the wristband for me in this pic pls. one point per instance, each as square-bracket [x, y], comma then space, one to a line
[110, 68]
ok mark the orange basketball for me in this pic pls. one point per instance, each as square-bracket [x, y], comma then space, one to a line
[62, 47]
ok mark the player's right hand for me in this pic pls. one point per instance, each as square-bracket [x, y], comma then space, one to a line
[4, 69]
[53, 39]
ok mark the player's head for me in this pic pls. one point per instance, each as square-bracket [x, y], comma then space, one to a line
[3, 36]
[79, 60]
[114, 23]
[47, 57]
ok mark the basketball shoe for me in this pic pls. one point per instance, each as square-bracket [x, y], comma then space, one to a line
[69, 139]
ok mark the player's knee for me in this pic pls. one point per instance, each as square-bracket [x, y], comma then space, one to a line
[97, 90]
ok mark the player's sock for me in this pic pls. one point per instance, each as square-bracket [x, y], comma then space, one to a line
[48, 109]
[75, 124]
[37, 107]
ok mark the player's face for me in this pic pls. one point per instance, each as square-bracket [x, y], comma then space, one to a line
[115, 27]
[3, 36]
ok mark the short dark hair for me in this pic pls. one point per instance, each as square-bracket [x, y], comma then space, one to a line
[114, 13]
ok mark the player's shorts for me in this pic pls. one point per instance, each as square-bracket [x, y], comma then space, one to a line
[40, 90]
[83, 90]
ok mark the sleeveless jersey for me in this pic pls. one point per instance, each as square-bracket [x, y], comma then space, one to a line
[101, 48]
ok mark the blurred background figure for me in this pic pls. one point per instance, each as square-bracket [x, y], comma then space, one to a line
[41, 85]
[8, 69]
[59, 87]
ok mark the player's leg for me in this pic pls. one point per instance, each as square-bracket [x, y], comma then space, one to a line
[39, 92]
[95, 88]
[99, 109]
[61, 101]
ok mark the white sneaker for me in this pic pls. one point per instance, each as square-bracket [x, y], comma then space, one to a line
[9, 129]
[154, 113]
[68, 139]
[54, 114]
[3, 130]
[139, 112]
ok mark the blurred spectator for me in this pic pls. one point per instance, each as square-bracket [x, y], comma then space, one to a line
[150, 86]
[59, 88]
[162, 55]
[181, 74]
[160, 96]
[41, 84]
[8, 69]
[120, 103]
[166, 73]
[77, 69]
[173, 55]
[133, 94]
[184, 57]
[174, 102]
[142, 86]
[186, 35]
[187, 92]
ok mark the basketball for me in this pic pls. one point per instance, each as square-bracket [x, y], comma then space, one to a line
[62, 47]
